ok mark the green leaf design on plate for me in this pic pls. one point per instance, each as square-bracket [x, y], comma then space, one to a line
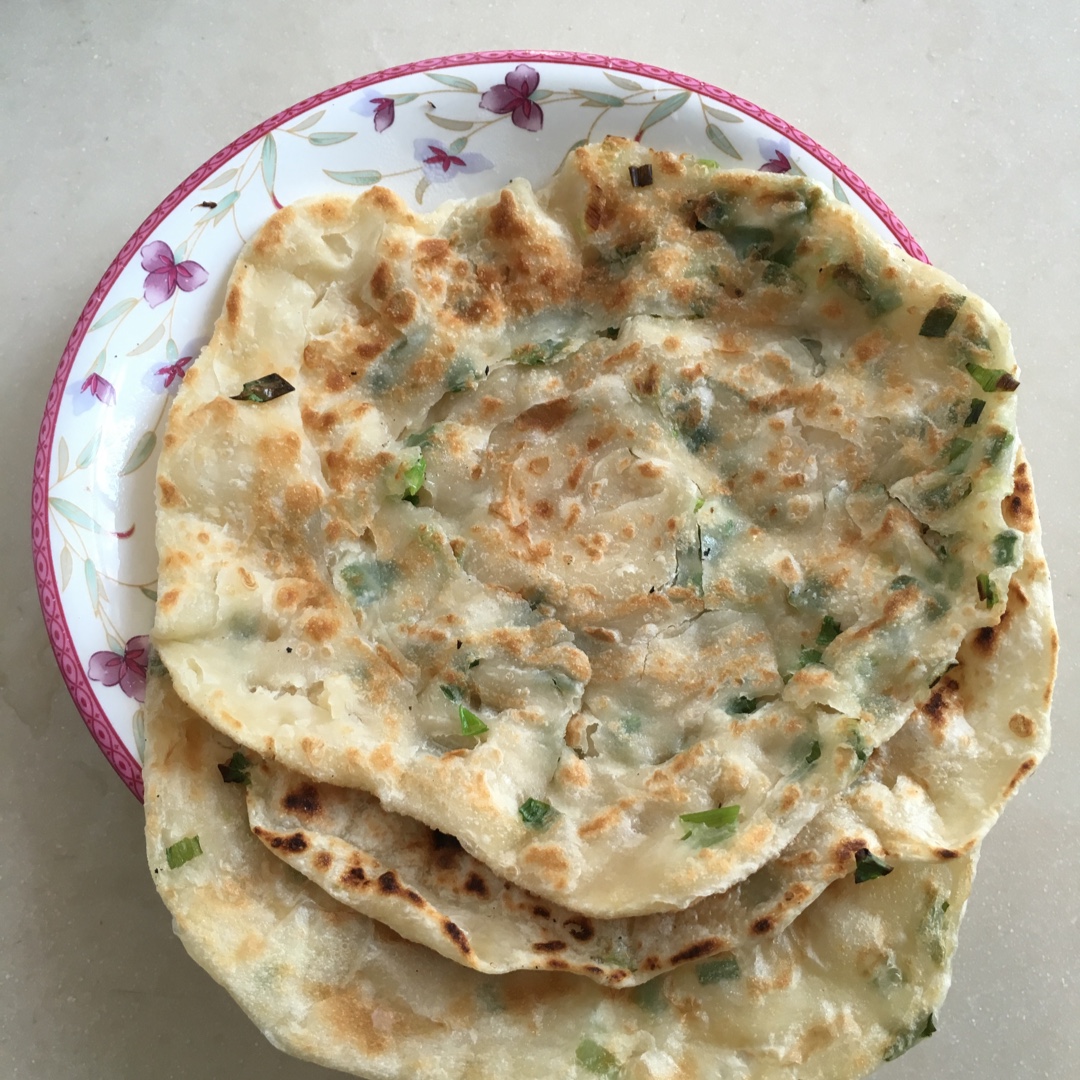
[99, 361]
[540, 95]
[421, 189]
[458, 144]
[221, 178]
[65, 567]
[357, 177]
[89, 452]
[269, 163]
[138, 730]
[143, 449]
[719, 114]
[454, 81]
[150, 594]
[721, 141]
[115, 643]
[838, 191]
[621, 80]
[156, 336]
[308, 121]
[402, 99]
[664, 109]
[172, 353]
[76, 515]
[117, 311]
[330, 138]
[225, 205]
[62, 457]
[448, 123]
[592, 98]
[93, 585]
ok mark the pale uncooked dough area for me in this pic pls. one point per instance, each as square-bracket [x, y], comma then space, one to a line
[962, 117]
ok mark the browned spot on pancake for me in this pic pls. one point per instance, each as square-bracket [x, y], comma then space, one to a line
[457, 936]
[936, 708]
[272, 235]
[354, 877]
[234, 306]
[1022, 725]
[601, 633]
[650, 963]
[302, 500]
[546, 416]
[245, 576]
[171, 499]
[598, 211]
[575, 476]
[294, 842]
[555, 964]
[1019, 507]
[169, 599]
[538, 466]
[321, 628]
[382, 281]
[279, 452]
[700, 948]
[845, 851]
[434, 251]
[592, 969]
[401, 307]
[323, 860]
[388, 883]
[541, 912]
[303, 800]
[549, 860]
[1025, 768]
[947, 853]
[543, 509]
[790, 799]
[762, 926]
[507, 220]
[476, 885]
[579, 928]
[650, 470]
[648, 382]
[549, 946]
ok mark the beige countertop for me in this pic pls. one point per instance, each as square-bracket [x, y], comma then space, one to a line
[963, 117]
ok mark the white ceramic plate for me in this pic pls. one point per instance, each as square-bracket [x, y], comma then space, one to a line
[448, 128]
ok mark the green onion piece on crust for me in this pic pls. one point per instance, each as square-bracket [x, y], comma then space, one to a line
[987, 590]
[977, 406]
[941, 316]
[415, 475]
[721, 969]
[868, 866]
[471, 724]
[536, 814]
[235, 770]
[593, 1057]
[830, 629]
[265, 389]
[183, 851]
[991, 379]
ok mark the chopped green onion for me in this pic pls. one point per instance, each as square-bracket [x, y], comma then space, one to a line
[593, 1057]
[859, 745]
[631, 724]
[987, 590]
[1005, 548]
[991, 379]
[997, 445]
[540, 353]
[721, 815]
[808, 656]
[471, 724]
[183, 851]
[748, 240]
[451, 693]
[415, 475]
[977, 406]
[421, 438]
[649, 995]
[941, 316]
[641, 175]
[957, 448]
[235, 770]
[265, 389]
[741, 705]
[815, 752]
[902, 581]
[721, 969]
[534, 813]
[923, 1029]
[830, 629]
[698, 504]
[868, 866]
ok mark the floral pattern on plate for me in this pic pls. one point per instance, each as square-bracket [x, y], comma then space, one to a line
[464, 125]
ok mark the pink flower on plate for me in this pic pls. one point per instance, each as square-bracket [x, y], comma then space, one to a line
[779, 163]
[129, 669]
[441, 163]
[175, 371]
[514, 96]
[100, 387]
[166, 275]
[381, 108]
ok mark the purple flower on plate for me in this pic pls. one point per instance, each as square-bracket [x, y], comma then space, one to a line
[174, 372]
[777, 155]
[166, 275]
[127, 669]
[381, 108]
[441, 163]
[778, 163]
[100, 387]
[514, 96]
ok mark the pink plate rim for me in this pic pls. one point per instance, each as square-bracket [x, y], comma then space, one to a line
[77, 680]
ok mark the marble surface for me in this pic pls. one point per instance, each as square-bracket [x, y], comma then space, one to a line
[961, 116]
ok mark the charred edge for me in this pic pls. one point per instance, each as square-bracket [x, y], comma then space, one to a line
[549, 946]
[947, 853]
[701, 948]
[937, 704]
[1025, 768]
[354, 877]
[555, 964]
[762, 926]
[457, 936]
[592, 969]
[295, 842]
[303, 800]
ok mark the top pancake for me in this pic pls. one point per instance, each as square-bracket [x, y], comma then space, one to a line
[684, 493]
